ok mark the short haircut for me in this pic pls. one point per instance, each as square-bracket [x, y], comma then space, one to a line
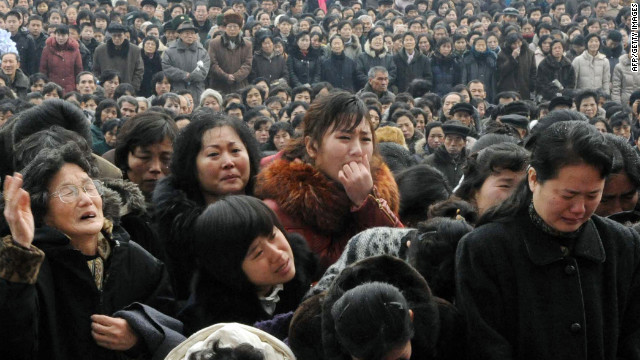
[376, 69]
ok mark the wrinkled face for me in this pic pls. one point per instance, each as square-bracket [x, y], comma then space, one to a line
[117, 38]
[265, 20]
[619, 195]
[108, 113]
[589, 107]
[421, 122]
[150, 47]
[80, 218]
[496, 188]
[110, 137]
[405, 124]
[223, 163]
[188, 36]
[148, 164]
[568, 200]
[200, 13]
[281, 139]
[269, 262]
[424, 45]
[341, 147]
[492, 42]
[380, 81]
[127, 109]
[454, 144]
[212, 103]
[448, 103]
[142, 106]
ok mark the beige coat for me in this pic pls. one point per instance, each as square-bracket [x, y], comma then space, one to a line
[592, 72]
[624, 81]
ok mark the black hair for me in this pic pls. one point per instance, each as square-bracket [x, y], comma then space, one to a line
[400, 113]
[420, 187]
[225, 230]
[418, 87]
[241, 352]
[142, 130]
[108, 75]
[105, 104]
[562, 144]
[246, 90]
[433, 250]
[596, 120]
[619, 118]
[123, 89]
[189, 143]
[50, 87]
[300, 89]
[585, 94]
[292, 106]
[36, 77]
[109, 125]
[275, 129]
[372, 319]
[484, 163]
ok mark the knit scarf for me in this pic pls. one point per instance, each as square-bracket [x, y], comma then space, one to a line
[563, 237]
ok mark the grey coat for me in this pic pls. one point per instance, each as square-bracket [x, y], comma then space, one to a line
[624, 81]
[592, 72]
[179, 60]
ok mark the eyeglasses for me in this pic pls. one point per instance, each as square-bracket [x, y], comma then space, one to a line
[69, 193]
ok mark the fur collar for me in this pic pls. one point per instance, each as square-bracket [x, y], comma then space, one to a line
[122, 52]
[301, 190]
[372, 53]
[122, 197]
[230, 43]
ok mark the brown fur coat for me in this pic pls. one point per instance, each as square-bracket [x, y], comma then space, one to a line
[309, 203]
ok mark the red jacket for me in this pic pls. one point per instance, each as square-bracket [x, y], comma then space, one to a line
[61, 64]
[316, 207]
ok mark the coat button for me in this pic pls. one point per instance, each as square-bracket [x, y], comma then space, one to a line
[576, 327]
[570, 270]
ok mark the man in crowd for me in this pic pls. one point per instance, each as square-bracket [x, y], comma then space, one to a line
[450, 157]
[118, 54]
[378, 82]
[24, 42]
[18, 81]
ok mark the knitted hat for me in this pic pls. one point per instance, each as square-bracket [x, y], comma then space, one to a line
[233, 18]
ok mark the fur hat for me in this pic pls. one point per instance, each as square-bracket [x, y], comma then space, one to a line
[233, 18]
[390, 134]
[516, 107]
[560, 100]
[395, 156]
[51, 112]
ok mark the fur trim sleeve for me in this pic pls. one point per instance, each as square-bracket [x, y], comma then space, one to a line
[18, 264]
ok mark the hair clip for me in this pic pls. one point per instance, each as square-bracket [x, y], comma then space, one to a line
[459, 216]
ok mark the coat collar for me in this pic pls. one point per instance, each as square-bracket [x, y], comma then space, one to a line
[543, 250]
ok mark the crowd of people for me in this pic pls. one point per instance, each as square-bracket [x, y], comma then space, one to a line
[319, 179]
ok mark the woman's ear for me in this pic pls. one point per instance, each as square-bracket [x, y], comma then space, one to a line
[411, 315]
[532, 177]
[311, 146]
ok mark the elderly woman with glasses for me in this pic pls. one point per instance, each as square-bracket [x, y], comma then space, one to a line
[65, 269]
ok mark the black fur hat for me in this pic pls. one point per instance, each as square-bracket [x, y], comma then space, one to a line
[51, 112]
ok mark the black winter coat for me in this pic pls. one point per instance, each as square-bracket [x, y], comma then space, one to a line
[418, 68]
[368, 59]
[446, 72]
[450, 167]
[176, 215]
[213, 303]
[51, 319]
[516, 74]
[525, 296]
[339, 71]
[40, 44]
[480, 66]
[549, 70]
[151, 67]
[270, 68]
[304, 69]
[27, 50]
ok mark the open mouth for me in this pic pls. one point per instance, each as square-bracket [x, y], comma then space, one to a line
[88, 215]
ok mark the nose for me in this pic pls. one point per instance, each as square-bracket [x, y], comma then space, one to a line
[577, 207]
[155, 166]
[227, 161]
[274, 254]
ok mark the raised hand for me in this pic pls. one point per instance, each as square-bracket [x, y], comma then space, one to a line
[357, 181]
[17, 210]
[113, 333]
